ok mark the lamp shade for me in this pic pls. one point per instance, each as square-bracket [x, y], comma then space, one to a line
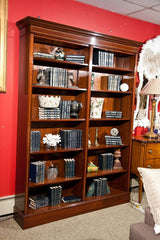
[152, 87]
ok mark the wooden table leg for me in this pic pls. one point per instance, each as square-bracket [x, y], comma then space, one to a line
[140, 189]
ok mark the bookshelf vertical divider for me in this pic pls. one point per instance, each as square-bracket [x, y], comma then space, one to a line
[60, 63]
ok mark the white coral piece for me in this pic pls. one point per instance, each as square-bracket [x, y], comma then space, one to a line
[51, 139]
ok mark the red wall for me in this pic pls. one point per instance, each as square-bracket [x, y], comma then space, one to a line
[66, 12]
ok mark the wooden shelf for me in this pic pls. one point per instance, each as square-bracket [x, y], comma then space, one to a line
[58, 150]
[104, 146]
[112, 70]
[58, 63]
[58, 180]
[101, 173]
[57, 90]
[109, 119]
[106, 93]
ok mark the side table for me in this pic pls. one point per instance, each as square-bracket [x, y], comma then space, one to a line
[145, 153]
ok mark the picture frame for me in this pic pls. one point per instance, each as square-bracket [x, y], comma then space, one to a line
[3, 44]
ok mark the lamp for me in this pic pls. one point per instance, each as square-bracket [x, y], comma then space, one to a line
[152, 88]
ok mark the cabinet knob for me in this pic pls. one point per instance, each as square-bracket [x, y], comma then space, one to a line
[149, 166]
[150, 151]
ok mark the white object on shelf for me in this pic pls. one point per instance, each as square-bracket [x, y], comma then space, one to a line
[49, 102]
[124, 87]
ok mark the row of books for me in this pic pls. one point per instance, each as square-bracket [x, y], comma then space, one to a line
[71, 138]
[113, 114]
[69, 167]
[113, 140]
[75, 58]
[114, 82]
[55, 77]
[105, 161]
[37, 171]
[61, 112]
[54, 198]
[35, 142]
[55, 195]
[38, 201]
[101, 186]
[103, 58]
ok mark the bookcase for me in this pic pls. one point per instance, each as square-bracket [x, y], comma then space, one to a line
[48, 68]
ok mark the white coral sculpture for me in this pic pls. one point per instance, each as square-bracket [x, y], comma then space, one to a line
[51, 139]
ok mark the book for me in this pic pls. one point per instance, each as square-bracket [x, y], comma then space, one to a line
[37, 171]
[71, 138]
[101, 186]
[96, 107]
[71, 199]
[35, 140]
[54, 195]
[69, 168]
[105, 161]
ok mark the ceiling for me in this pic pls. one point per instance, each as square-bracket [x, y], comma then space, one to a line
[146, 10]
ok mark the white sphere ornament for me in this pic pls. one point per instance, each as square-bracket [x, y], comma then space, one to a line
[124, 87]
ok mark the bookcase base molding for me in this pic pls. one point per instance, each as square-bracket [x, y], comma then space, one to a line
[75, 116]
[46, 216]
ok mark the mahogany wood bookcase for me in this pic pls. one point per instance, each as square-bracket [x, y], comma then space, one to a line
[37, 35]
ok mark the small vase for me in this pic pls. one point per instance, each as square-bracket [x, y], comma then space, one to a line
[51, 147]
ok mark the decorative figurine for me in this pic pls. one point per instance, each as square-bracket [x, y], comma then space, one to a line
[59, 54]
[92, 167]
[117, 155]
[43, 77]
[75, 108]
[96, 138]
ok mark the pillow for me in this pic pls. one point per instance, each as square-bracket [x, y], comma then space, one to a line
[151, 183]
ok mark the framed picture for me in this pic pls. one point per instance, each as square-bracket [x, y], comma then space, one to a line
[3, 43]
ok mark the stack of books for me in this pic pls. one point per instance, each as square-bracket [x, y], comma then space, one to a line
[69, 167]
[114, 82]
[38, 201]
[55, 195]
[37, 171]
[75, 58]
[113, 114]
[35, 142]
[49, 113]
[61, 112]
[43, 55]
[101, 186]
[71, 138]
[105, 161]
[113, 140]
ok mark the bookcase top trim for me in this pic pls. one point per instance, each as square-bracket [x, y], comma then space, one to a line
[28, 21]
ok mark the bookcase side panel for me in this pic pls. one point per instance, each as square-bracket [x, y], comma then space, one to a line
[24, 101]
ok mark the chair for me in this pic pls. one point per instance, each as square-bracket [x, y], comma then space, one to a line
[144, 231]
